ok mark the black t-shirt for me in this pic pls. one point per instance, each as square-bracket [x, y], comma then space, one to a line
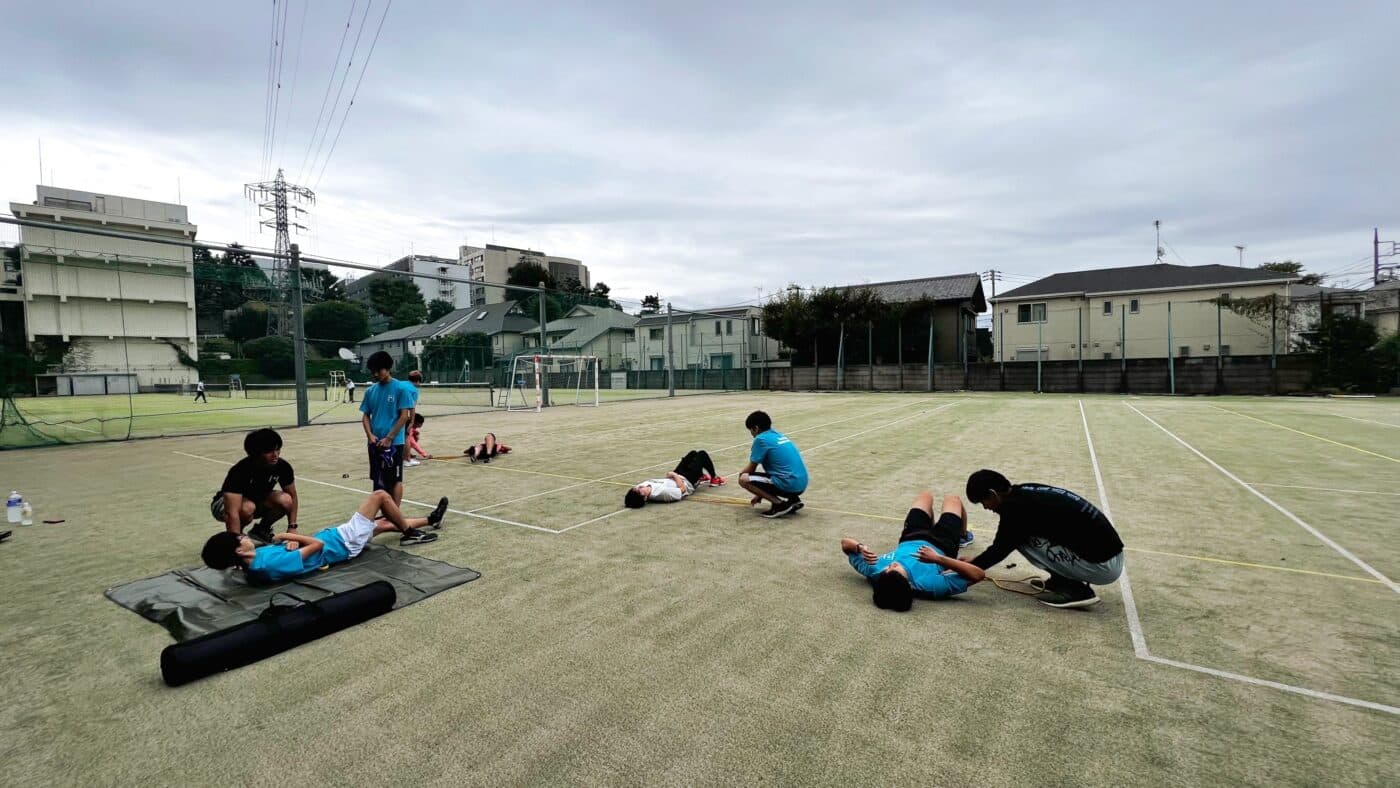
[1055, 515]
[250, 478]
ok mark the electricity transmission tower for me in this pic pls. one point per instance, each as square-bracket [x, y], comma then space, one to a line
[282, 200]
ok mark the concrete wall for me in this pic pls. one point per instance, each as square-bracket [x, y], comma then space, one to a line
[1237, 375]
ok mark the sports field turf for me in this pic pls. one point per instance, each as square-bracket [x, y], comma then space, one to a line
[1253, 640]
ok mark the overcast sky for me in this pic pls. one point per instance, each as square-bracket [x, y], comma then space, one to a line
[710, 150]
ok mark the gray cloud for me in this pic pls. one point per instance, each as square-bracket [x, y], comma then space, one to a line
[707, 150]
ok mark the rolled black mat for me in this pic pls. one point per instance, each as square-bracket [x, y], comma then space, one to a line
[281, 627]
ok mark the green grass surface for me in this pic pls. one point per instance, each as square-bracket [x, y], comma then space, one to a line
[697, 643]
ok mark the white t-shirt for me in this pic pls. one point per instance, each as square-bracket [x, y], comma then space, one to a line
[350, 384]
[666, 490]
[200, 386]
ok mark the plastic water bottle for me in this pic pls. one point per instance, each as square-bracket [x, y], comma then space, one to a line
[26, 513]
[12, 507]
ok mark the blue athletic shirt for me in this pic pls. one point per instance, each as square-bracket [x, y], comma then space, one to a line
[275, 563]
[780, 460]
[383, 401]
[930, 579]
[334, 550]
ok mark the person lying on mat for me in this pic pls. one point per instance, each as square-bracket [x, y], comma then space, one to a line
[695, 468]
[247, 492]
[925, 562]
[1056, 530]
[487, 449]
[293, 555]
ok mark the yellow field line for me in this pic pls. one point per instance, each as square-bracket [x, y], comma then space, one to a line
[1255, 566]
[1309, 434]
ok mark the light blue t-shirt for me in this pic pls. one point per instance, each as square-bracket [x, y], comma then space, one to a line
[275, 563]
[383, 401]
[334, 550]
[930, 579]
[780, 460]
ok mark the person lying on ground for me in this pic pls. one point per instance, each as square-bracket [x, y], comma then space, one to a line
[694, 469]
[293, 555]
[487, 449]
[924, 563]
[1056, 530]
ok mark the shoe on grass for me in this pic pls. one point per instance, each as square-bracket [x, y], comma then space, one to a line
[261, 533]
[435, 517]
[411, 463]
[782, 509]
[5, 535]
[415, 536]
[1067, 594]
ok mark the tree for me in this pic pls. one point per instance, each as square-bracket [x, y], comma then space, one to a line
[389, 294]
[651, 304]
[228, 281]
[408, 314]
[438, 307]
[1293, 269]
[275, 357]
[335, 324]
[529, 273]
[1342, 345]
[319, 285]
[249, 322]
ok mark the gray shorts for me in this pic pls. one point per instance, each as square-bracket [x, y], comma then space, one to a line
[1060, 560]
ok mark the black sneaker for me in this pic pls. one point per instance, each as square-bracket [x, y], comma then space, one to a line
[782, 509]
[1067, 594]
[415, 536]
[5, 535]
[261, 533]
[435, 518]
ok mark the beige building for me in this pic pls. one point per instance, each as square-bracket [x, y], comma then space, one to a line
[589, 330]
[722, 339]
[1112, 313]
[492, 263]
[122, 305]
[1383, 307]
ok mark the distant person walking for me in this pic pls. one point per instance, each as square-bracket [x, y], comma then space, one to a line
[350, 389]
[199, 392]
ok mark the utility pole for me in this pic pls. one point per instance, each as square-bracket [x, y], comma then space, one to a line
[273, 196]
[993, 276]
[1157, 223]
[1241, 250]
[298, 336]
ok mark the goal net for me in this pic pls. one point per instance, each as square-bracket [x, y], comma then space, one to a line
[539, 381]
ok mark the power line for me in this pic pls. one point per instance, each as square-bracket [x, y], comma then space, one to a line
[281, 44]
[354, 92]
[296, 67]
[267, 90]
[349, 63]
[334, 68]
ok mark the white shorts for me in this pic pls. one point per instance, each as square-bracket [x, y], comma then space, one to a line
[356, 533]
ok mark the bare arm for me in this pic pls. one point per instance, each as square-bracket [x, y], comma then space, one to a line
[750, 468]
[310, 545]
[969, 572]
[364, 422]
[233, 505]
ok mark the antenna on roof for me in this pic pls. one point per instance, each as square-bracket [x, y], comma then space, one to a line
[1158, 224]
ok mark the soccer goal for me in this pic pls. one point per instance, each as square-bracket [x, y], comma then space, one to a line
[337, 385]
[537, 381]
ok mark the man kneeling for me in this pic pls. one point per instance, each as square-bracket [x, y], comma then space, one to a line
[292, 555]
[925, 561]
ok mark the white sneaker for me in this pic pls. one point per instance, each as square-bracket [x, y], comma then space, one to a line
[411, 463]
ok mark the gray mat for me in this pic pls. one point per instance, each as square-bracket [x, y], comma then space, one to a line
[194, 602]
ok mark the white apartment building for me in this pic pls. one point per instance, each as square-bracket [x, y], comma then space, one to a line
[723, 339]
[124, 305]
[456, 293]
[492, 263]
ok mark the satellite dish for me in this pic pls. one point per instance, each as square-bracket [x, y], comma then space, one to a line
[347, 354]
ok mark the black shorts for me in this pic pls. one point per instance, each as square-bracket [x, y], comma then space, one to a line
[385, 466]
[766, 484]
[216, 507]
[944, 534]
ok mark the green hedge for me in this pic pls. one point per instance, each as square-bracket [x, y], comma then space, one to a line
[218, 370]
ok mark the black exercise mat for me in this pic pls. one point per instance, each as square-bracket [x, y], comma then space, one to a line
[197, 601]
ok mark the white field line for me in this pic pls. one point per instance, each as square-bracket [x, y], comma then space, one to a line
[1321, 489]
[406, 500]
[1129, 604]
[1368, 421]
[668, 462]
[594, 520]
[1140, 641]
[1266, 499]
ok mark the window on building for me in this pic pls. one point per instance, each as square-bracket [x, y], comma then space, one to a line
[1108, 356]
[658, 363]
[1030, 313]
[754, 328]
[729, 328]
[1184, 351]
[656, 334]
[1108, 307]
[1224, 350]
[717, 331]
[1133, 306]
[1225, 298]
[74, 205]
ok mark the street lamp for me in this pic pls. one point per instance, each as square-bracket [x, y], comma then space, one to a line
[1241, 248]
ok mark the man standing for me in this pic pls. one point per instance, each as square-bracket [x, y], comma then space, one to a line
[1055, 530]
[247, 491]
[386, 408]
[199, 392]
[784, 476]
[350, 389]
